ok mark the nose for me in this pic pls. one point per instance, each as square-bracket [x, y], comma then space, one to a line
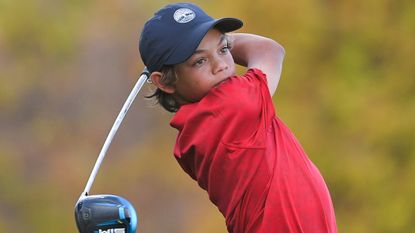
[219, 65]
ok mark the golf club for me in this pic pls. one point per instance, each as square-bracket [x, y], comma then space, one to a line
[108, 213]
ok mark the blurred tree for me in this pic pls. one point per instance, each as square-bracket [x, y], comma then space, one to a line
[66, 67]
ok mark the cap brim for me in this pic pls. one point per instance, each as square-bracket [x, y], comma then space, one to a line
[186, 49]
[228, 24]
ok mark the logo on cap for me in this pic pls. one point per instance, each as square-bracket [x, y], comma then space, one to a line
[184, 15]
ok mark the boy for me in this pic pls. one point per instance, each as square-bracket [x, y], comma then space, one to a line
[229, 139]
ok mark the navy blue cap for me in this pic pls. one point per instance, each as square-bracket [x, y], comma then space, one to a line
[174, 32]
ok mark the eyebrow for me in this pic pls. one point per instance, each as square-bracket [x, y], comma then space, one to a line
[222, 38]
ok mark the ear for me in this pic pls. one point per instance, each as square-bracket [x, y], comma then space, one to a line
[155, 78]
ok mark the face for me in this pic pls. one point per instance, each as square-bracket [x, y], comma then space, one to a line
[210, 64]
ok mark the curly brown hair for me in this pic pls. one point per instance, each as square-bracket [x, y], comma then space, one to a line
[166, 100]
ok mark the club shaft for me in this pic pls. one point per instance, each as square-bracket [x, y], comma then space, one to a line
[114, 129]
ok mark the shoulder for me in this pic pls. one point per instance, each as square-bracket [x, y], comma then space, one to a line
[239, 97]
[239, 86]
[241, 90]
[255, 73]
[253, 76]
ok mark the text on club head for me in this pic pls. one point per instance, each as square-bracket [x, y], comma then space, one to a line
[114, 230]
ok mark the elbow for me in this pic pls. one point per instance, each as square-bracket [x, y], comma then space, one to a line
[281, 51]
[277, 49]
[273, 49]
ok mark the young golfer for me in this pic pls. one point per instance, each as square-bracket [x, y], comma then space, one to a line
[229, 138]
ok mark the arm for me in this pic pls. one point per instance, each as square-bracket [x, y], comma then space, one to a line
[255, 51]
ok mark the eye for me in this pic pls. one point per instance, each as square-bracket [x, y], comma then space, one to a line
[199, 62]
[225, 49]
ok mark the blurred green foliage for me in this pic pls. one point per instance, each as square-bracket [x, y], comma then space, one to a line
[347, 91]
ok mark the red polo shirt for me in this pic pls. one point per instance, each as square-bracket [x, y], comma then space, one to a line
[253, 168]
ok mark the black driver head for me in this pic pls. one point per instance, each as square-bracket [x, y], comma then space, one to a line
[105, 214]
